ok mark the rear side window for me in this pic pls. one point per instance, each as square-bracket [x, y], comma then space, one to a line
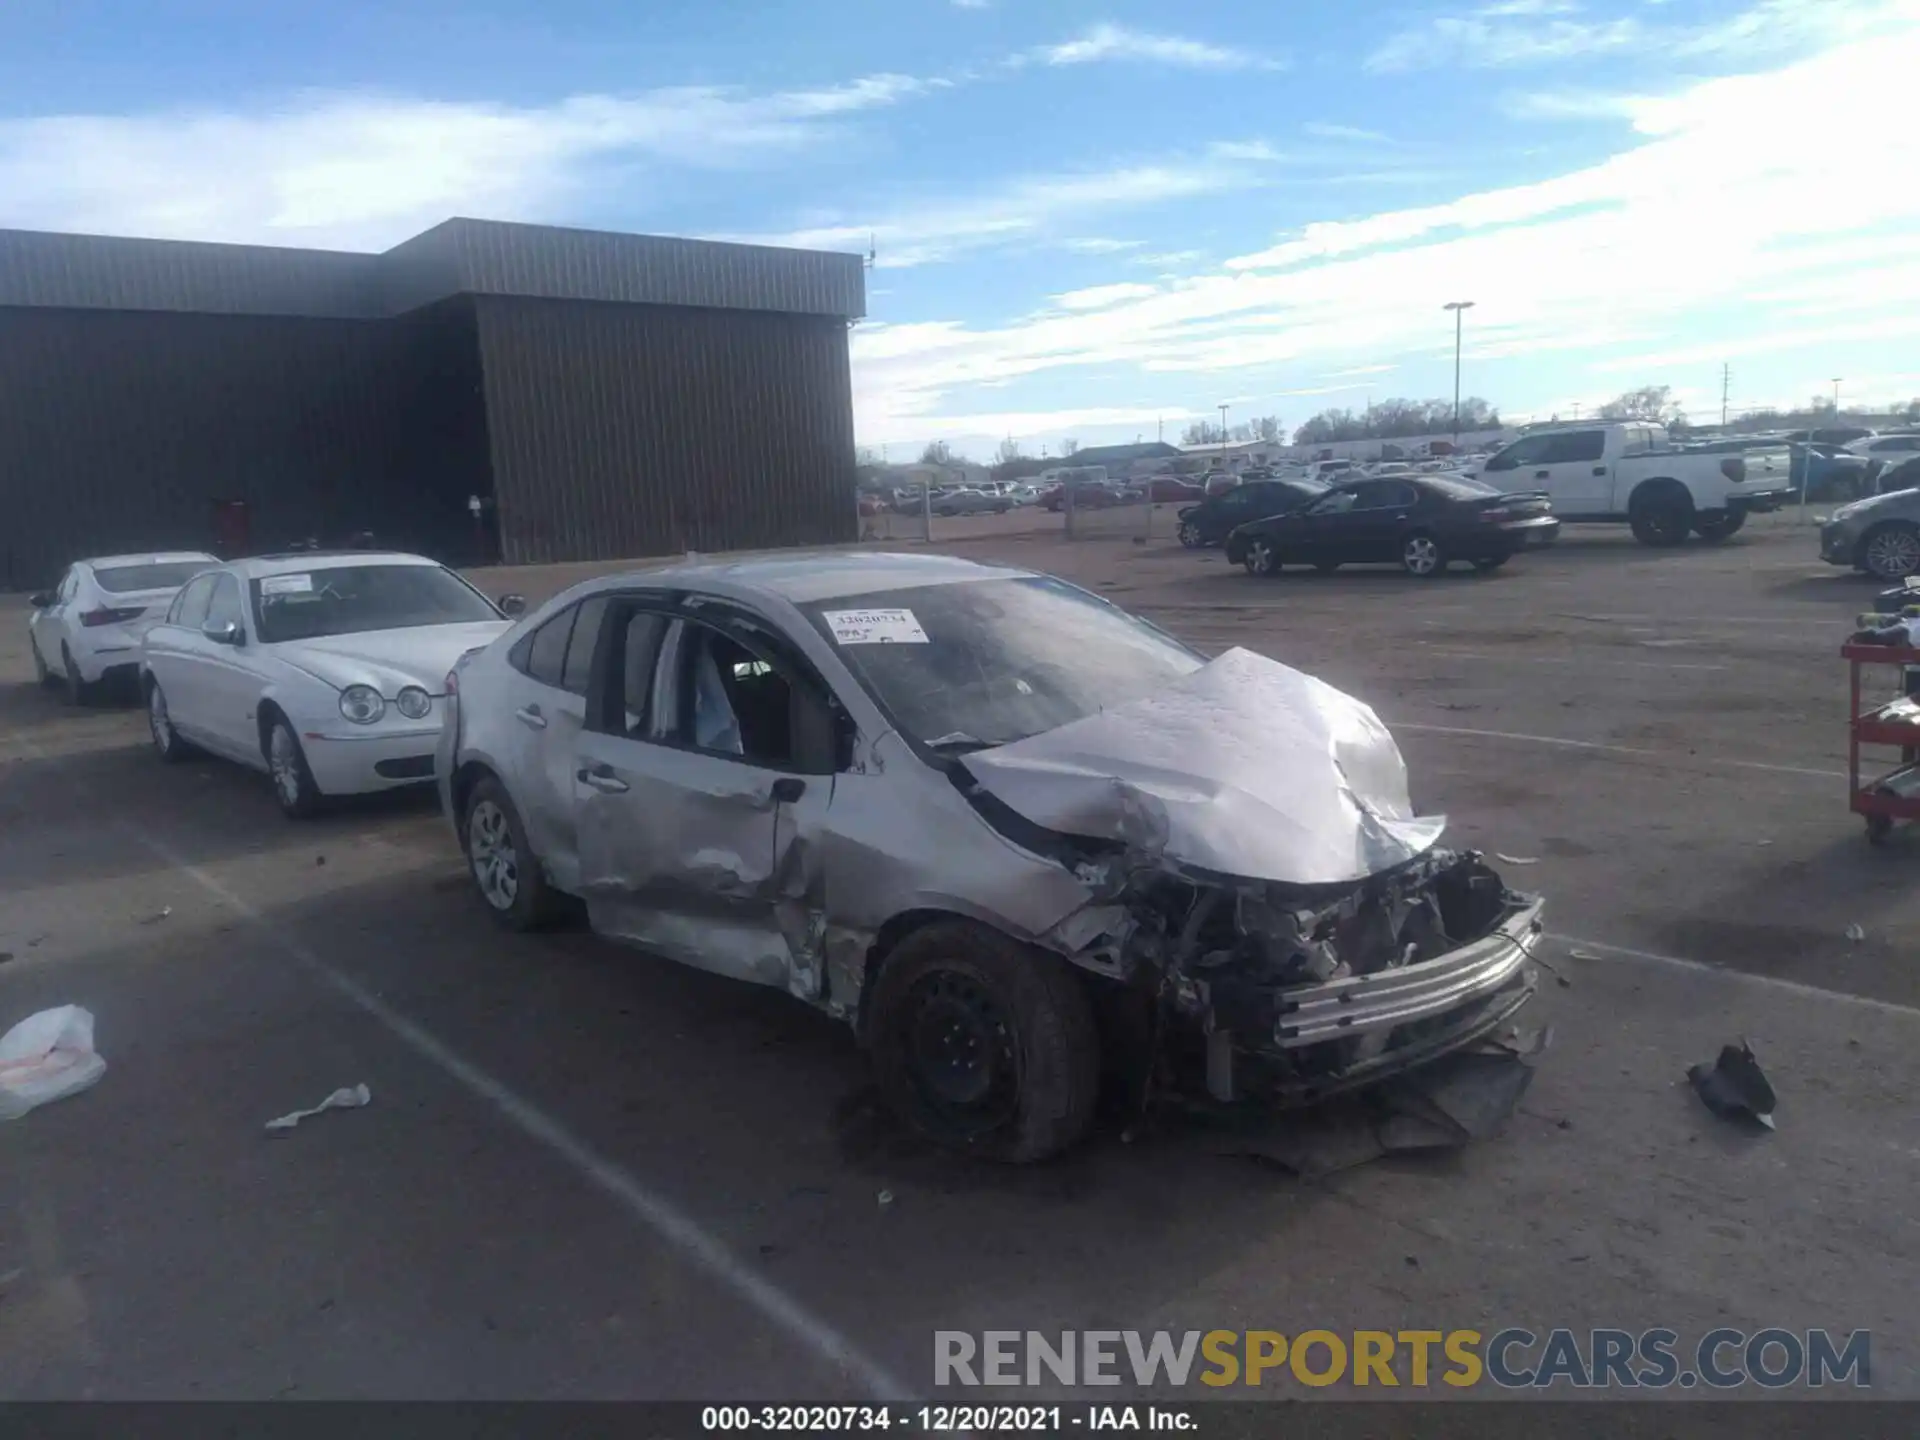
[223, 605]
[586, 634]
[542, 655]
[161, 575]
[1573, 446]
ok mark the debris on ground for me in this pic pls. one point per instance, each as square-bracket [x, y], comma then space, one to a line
[1856, 933]
[5, 956]
[1583, 955]
[1458, 1099]
[47, 1057]
[1516, 859]
[1734, 1087]
[348, 1097]
[154, 919]
[886, 1198]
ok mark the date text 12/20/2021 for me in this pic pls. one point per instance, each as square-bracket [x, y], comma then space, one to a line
[944, 1419]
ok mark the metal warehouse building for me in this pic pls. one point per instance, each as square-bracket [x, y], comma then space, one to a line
[602, 395]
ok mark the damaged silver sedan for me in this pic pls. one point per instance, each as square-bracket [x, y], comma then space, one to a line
[1027, 844]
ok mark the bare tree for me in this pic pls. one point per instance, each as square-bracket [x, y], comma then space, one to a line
[1069, 448]
[1396, 420]
[938, 452]
[1007, 452]
[1202, 432]
[1267, 428]
[1649, 402]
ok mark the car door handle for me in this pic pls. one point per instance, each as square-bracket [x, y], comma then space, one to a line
[530, 715]
[1599, 469]
[601, 778]
[1542, 474]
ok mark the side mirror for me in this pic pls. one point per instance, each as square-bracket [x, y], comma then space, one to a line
[513, 606]
[226, 633]
[40, 599]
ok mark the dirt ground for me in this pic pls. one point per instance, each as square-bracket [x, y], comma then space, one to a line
[586, 1173]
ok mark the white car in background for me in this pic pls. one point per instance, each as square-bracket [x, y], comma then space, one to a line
[328, 672]
[87, 629]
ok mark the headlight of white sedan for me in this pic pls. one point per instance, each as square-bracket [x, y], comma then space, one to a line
[413, 702]
[362, 704]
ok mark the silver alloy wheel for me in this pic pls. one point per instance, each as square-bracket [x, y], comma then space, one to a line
[1421, 555]
[158, 721]
[1260, 558]
[283, 759]
[490, 851]
[1894, 554]
[1189, 535]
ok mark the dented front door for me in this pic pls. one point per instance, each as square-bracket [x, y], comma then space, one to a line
[698, 856]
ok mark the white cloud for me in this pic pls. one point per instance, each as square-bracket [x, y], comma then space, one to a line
[1694, 241]
[365, 171]
[1495, 42]
[1560, 104]
[1099, 245]
[1254, 150]
[1098, 297]
[971, 4]
[1323, 130]
[1025, 210]
[1116, 42]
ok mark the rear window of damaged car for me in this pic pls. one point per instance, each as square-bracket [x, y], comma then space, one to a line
[991, 661]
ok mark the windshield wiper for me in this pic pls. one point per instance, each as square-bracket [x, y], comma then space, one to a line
[959, 743]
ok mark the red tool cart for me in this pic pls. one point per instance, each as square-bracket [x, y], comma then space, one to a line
[1895, 721]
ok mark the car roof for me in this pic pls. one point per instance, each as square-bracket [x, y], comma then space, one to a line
[150, 557]
[802, 579]
[302, 562]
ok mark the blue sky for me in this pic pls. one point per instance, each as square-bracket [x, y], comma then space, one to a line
[1089, 217]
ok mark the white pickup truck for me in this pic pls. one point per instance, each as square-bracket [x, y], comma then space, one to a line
[1630, 471]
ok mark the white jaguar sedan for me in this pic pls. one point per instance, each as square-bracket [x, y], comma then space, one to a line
[326, 671]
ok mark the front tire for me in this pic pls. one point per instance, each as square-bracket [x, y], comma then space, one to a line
[1189, 535]
[1261, 558]
[985, 1045]
[504, 868]
[1423, 556]
[293, 786]
[1662, 519]
[1892, 551]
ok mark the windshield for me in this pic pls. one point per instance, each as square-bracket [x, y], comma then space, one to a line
[162, 575]
[350, 599]
[992, 661]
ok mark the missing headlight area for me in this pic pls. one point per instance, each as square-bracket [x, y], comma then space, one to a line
[1286, 995]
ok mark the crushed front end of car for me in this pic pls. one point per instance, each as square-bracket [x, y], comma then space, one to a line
[1285, 928]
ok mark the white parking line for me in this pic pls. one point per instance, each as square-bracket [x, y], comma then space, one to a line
[1634, 750]
[806, 1329]
[1774, 982]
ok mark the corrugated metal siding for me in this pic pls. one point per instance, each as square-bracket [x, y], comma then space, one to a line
[554, 263]
[476, 256]
[119, 430]
[621, 431]
[107, 273]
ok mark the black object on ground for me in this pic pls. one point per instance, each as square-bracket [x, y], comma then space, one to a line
[1734, 1087]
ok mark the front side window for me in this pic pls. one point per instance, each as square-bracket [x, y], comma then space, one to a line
[1576, 446]
[356, 599]
[987, 662]
[1529, 450]
[190, 607]
[223, 607]
[1334, 502]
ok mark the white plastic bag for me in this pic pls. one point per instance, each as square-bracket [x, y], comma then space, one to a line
[47, 1057]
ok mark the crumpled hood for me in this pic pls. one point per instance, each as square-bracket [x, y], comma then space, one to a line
[390, 660]
[1245, 767]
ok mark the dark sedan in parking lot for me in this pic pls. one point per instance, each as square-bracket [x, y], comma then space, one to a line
[1423, 523]
[1881, 534]
[1211, 521]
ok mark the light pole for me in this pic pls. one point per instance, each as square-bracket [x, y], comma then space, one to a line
[1836, 399]
[1223, 432]
[1459, 309]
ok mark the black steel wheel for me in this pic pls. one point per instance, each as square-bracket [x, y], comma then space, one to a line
[983, 1044]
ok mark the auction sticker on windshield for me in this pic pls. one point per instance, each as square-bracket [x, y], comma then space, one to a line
[874, 627]
[287, 585]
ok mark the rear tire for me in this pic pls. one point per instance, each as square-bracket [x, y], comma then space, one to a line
[1189, 535]
[985, 1045]
[293, 787]
[503, 866]
[167, 743]
[79, 692]
[1722, 526]
[1892, 551]
[1423, 556]
[1662, 518]
[1261, 559]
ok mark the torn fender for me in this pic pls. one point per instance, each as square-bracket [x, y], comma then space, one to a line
[1245, 767]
